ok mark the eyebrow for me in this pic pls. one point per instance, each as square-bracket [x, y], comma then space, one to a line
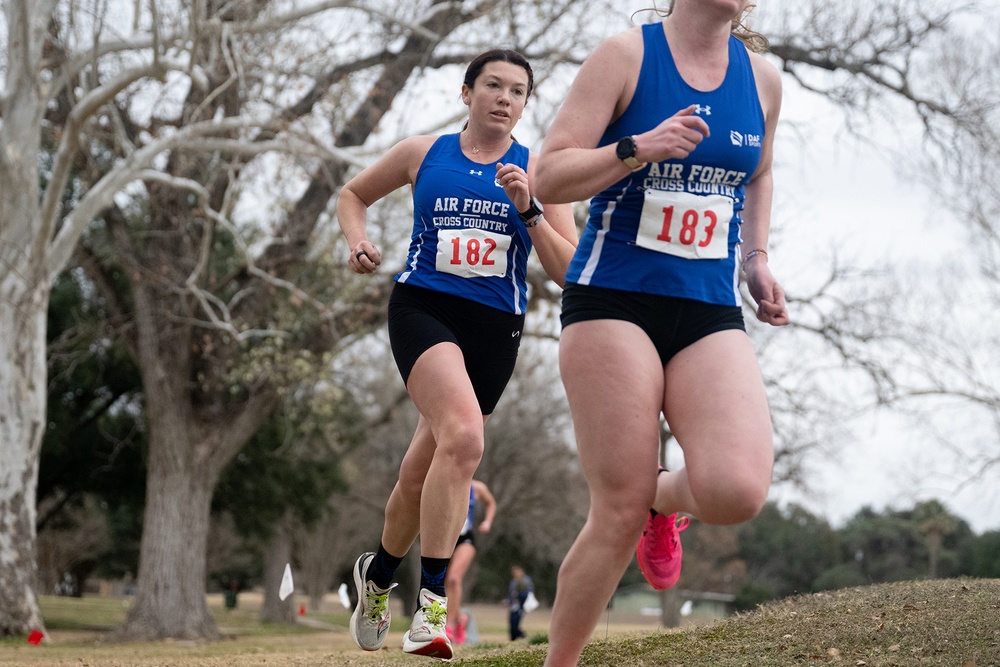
[494, 77]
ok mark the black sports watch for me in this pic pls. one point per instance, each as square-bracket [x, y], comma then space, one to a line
[533, 211]
[626, 153]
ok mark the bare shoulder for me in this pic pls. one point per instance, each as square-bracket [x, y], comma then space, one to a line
[600, 92]
[767, 75]
[623, 48]
[400, 164]
[413, 149]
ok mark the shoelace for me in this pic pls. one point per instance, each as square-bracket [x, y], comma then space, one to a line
[377, 603]
[435, 614]
[679, 525]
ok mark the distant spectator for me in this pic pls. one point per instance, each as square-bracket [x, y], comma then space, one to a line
[231, 592]
[521, 587]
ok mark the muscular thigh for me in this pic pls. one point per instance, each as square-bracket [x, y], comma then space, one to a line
[613, 381]
[427, 327]
[716, 406]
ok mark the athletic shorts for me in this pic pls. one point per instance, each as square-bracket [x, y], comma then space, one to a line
[489, 338]
[468, 537]
[672, 323]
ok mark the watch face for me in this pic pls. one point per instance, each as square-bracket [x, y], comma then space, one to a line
[625, 148]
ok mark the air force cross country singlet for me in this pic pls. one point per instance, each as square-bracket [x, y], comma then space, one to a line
[672, 228]
[467, 239]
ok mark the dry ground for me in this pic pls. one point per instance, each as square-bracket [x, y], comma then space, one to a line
[320, 639]
[943, 622]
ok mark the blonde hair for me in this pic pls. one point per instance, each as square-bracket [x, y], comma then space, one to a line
[753, 40]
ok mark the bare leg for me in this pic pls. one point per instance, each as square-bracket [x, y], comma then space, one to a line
[402, 512]
[614, 382]
[443, 393]
[460, 562]
[716, 406]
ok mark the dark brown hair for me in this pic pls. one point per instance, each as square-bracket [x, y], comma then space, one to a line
[498, 55]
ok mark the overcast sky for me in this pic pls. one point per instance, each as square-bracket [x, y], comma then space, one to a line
[834, 191]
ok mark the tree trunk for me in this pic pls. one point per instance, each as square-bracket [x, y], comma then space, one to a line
[170, 596]
[23, 307]
[24, 301]
[408, 578]
[319, 554]
[934, 540]
[670, 608]
[277, 554]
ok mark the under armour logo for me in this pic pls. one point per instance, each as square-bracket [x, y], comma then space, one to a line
[707, 110]
[477, 173]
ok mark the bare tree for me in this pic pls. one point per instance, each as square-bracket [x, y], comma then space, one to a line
[278, 556]
[925, 357]
[156, 119]
[207, 140]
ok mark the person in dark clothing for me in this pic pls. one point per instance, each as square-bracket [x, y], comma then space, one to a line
[521, 587]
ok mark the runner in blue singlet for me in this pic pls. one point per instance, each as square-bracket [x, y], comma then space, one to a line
[465, 551]
[668, 129]
[455, 318]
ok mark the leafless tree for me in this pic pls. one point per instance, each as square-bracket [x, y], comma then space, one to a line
[206, 142]
[902, 337]
[165, 122]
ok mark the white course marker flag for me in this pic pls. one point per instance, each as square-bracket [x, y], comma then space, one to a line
[344, 597]
[287, 587]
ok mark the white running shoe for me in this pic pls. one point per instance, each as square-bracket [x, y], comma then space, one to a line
[427, 634]
[370, 620]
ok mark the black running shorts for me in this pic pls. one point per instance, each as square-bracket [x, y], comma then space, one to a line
[489, 338]
[671, 323]
[468, 537]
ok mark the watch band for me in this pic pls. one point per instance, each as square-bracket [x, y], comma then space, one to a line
[625, 151]
[533, 211]
[633, 164]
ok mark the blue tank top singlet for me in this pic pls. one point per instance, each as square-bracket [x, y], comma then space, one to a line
[672, 227]
[467, 239]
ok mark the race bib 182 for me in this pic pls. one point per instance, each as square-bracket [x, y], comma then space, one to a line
[472, 252]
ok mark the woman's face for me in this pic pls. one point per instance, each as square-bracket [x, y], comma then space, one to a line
[498, 95]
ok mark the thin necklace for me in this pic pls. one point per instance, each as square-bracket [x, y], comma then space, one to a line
[476, 151]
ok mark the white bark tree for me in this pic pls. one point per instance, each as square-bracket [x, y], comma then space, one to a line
[153, 119]
[26, 272]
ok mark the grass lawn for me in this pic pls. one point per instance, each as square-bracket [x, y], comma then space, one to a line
[953, 622]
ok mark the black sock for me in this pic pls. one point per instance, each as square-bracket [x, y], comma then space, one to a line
[383, 568]
[432, 573]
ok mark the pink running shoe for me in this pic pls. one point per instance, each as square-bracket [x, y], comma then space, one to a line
[659, 551]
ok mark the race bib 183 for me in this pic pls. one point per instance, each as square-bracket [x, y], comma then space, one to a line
[472, 252]
[685, 225]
